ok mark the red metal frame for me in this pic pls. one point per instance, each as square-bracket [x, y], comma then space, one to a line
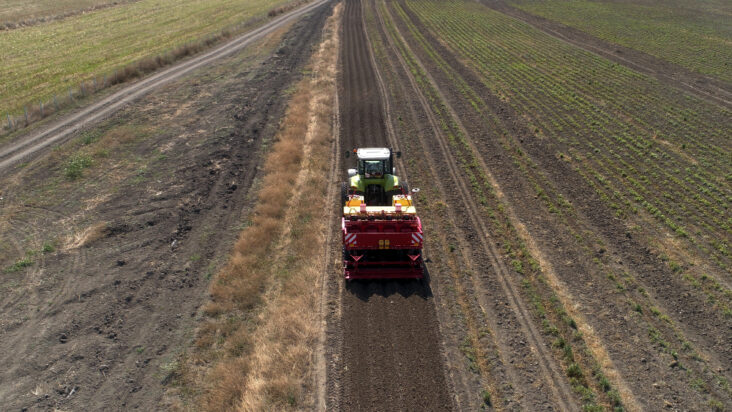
[382, 246]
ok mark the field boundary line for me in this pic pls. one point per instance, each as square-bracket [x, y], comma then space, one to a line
[554, 378]
[329, 265]
[56, 132]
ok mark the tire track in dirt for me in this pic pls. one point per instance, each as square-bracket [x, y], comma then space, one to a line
[389, 355]
[551, 372]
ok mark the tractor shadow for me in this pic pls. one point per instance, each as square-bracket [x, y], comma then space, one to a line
[365, 289]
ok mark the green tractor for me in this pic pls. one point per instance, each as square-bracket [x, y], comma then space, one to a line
[374, 178]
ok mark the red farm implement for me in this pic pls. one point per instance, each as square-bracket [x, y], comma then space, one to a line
[382, 234]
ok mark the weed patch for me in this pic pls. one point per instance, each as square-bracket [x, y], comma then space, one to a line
[74, 168]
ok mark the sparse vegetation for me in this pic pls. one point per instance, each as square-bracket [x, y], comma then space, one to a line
[692, 35]
[21, 264]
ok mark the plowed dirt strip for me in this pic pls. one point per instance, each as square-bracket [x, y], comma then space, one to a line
[390, 350]
[550, 372]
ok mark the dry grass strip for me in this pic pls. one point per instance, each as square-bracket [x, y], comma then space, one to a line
[254, 351]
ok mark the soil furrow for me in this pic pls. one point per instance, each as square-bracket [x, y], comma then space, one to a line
[390, 348]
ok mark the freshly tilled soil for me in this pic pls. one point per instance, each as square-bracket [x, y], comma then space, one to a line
[389, 355]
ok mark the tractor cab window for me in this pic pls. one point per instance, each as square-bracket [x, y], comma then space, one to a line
[373, 168]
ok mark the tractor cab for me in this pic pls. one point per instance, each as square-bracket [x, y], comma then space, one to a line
[374, 176]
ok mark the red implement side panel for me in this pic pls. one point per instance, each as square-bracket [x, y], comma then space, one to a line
[382, 248]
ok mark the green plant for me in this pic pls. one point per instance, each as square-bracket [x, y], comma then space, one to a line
[21, 264]
[574, 371]
[486, 396]
[48, 247]
[75, 166]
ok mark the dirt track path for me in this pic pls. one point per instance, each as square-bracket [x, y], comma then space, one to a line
[387, 334]
[58, 131]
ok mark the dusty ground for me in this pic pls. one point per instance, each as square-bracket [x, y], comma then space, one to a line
[96, 321]
[103, 273]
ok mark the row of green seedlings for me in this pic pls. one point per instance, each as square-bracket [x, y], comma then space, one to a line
[463, 88]
[720, 295]
[684, 47]
[480, 355]
[561, 204]
[637, 307]
[615, 205]
[715, 199]
[636, 295]
[551, 207]
[712, 284]
[573, 369]
[518, 257]
[578, 68]
[665, 113]
[532, 100]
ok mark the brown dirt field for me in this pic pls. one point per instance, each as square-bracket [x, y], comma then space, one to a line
[385, 344]
[98, 319]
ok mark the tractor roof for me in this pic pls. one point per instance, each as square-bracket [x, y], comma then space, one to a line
[373, 153]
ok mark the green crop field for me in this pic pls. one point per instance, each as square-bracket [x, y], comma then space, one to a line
[641, 146]
[23, 11]
[696, 35]
[42, 60]
[577, 126]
